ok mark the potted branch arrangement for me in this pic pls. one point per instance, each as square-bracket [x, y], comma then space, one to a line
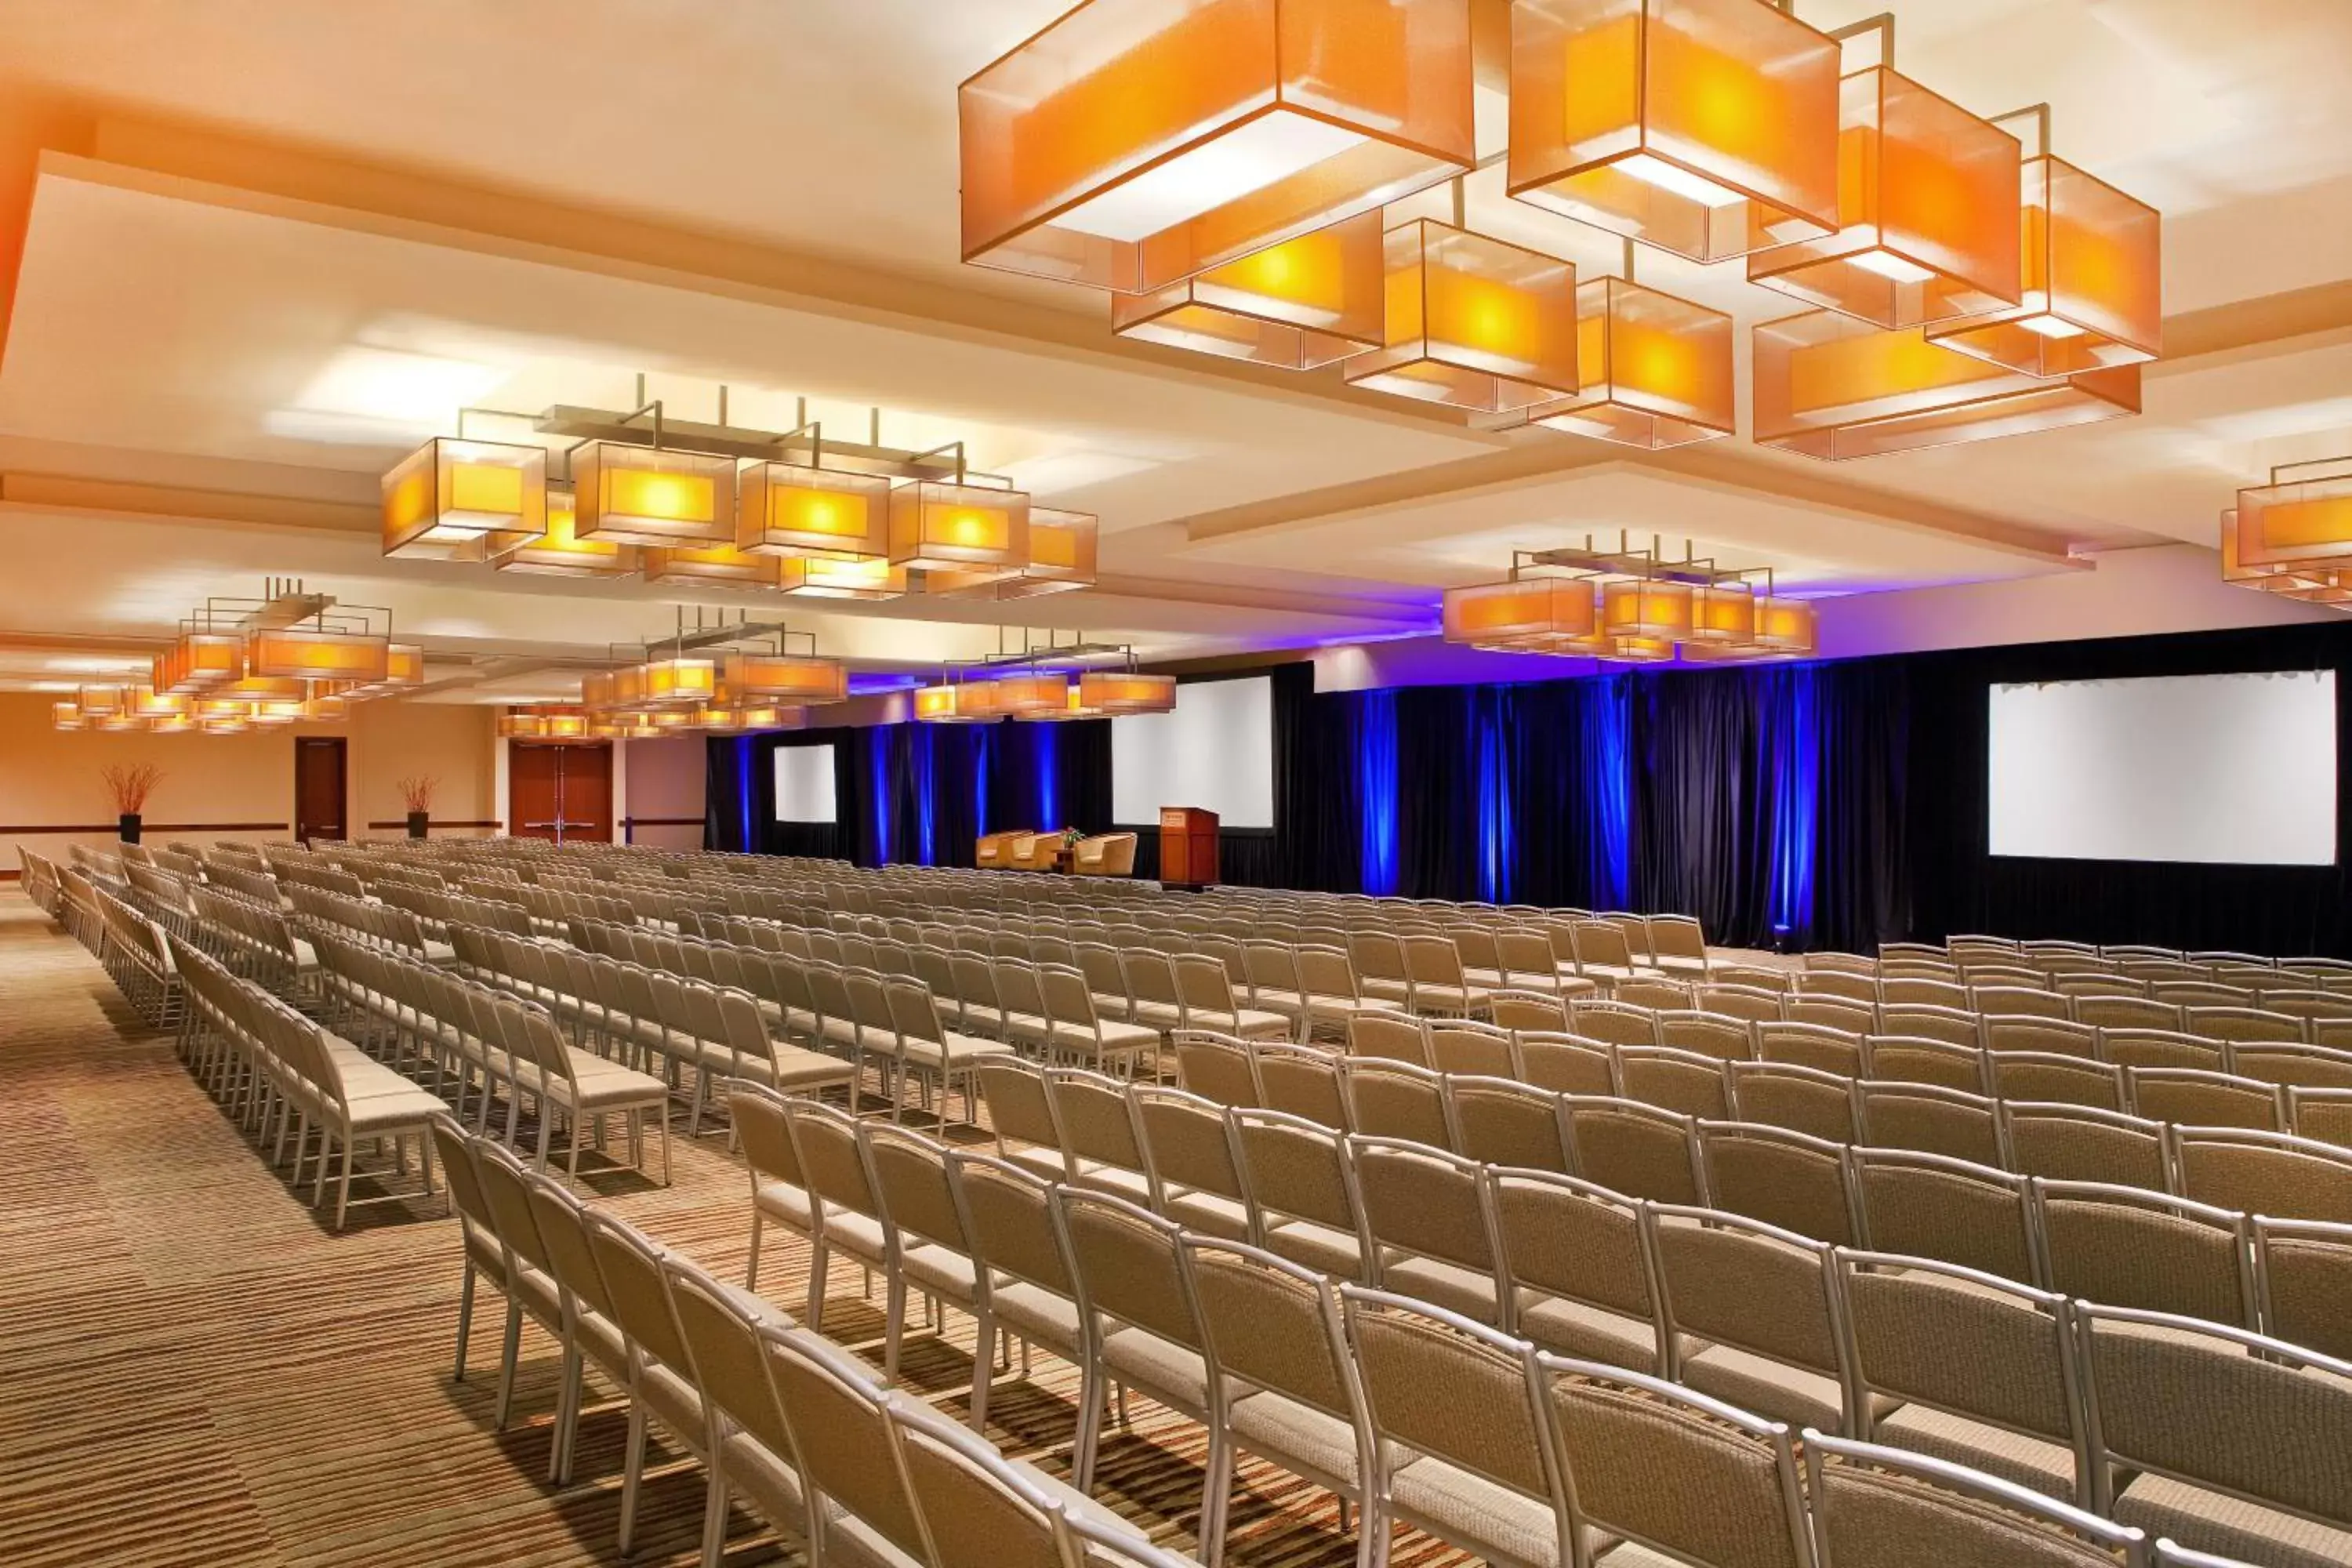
[416, 793]
[130, 787]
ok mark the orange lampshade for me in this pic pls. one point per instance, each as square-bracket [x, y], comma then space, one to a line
[958, 702]
[1830, 386]
[790, 509]
[99, 701]
[1075, 707]
[443, 501]
[1928, 209]
[1472, 322]
[722, 567]
[1708, 128]
[637, 495]
[1633, 648]
[1785, 626]
[171, 724]
[767, 716]
[1297, 305]
[676, 683]
[843, 579]
[1028, 696]
[326, 709]
[520, 724]
[309, 653]
[755, 680]
[1644, 608]
[1534, 614]
[942, 527]
[1134, 142]
[66, 715]
[1723, 615]
[199, 660]
[558, 551]
[1656, 370]
[2092, 268]
[152, 704]
[1119, 691]
[2302, 523]
[1061, 557]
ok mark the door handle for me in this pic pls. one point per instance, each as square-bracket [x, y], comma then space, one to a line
[543, 824]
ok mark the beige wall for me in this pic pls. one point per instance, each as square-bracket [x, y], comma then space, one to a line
[50, 778]
[666, 779]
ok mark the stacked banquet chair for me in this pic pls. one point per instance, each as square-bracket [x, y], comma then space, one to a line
[136, 953]
[280, 1072]
[1533, 1435]
[791, 1423]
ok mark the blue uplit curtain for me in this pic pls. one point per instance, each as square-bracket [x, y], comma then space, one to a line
[1608, 758]
[1793, 739]
[1490, 717]
[1376, 784]
[880, 799]
[1047, 740]
[747, 793]
[920, 738]
[982, 742]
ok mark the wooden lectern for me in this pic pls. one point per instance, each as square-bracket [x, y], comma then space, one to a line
[1188, 846]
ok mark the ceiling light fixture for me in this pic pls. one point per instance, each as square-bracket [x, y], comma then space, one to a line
[1628, 606]
[1297, 305]
[1131, 144]
[1656, 371]
[1472, 322]
[1062, 550]
[1708, 128]
[442, 502]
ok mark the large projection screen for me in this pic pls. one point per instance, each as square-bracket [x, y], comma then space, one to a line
[804, 784]
[1216, 750]
[2213, 769]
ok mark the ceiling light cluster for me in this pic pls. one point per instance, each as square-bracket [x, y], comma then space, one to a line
[1221, 169]
[723, 677]
[1046, 684]
[2294, 536]
[1630, 607]
[240, 665]
[700, 506]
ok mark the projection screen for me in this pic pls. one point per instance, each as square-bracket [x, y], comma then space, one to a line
[1215, 750]
[804, 784]
[2216, 769]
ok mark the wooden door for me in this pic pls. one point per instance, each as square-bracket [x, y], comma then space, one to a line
[560, 792]
[318, 788]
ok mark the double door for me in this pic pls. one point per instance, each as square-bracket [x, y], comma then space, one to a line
[560, 792]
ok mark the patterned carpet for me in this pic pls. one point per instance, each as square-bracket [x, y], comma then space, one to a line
[193, 1370]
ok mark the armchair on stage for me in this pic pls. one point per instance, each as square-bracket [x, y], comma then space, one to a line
[1105, 854]
[994, 852]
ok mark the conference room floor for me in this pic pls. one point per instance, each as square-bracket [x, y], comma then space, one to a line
[195, 1370]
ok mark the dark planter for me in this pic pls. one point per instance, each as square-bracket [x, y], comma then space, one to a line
[417, 823]
[129, 827]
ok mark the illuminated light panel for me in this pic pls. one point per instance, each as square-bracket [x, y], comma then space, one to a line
[2300, 523]
[309, 653]
[843, 579]
[2091, 269]
[1134, 142]
[2312, 580]
[1075, 707]
[271, 715]
[560, 551]
[442, 502]
[1722, 614]
[223, 726]
[1928, 209]
[1642, 608]
[171, 724]
[200, 660]
[1533, 615]
[149, 704]
[1785, 626]
[227, 709]
[1472, 322]
[790, 508]
[755, 680]
[262, 688]
[765, 717]
[521, 726]
[958, 702]
[1708, 128]
[66, 715]
[942, 527]
[724, 567]
[99, 701]
[118, 723]
[1297, 305]
[1028, 696]
[1656, 370]
[1829, 386]
[1119, 691]
[675, 683]
[1060, 556]
[1636, 649]
[326, 709]
[635, 495]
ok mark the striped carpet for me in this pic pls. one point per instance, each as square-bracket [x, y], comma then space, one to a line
[195, 1370]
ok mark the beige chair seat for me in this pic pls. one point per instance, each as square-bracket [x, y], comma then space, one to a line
[785, 1202]
[790, 1068]
[1392, 990]
[1118, 1038]
[850, 1035]
[856, 1234]
[1034, 1313]
[1588, 1332]
[1451, 1286]
[940, 1270]
[1455, 998]
[1207, 1212]
[1318, 1246]
[984, 1016]
[440, 953]
[1773, 1389]
[1493, 1522]
[1160, 1366]
[1249, 1022]
[2227, 1527]
[1296, 1435]
[405, 1108]
[2034, 1463]
[957, 1052]
[1025, 1027]
[1108, 1007]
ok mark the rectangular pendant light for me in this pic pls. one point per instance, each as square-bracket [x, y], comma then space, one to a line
[676, 683]
[99, 701]
[1644, 608]
[2312, 580]
[637, 495]
[1131, 144]
[1117, 691]
[1060, 556]
[754, 679]
[563, 724]
[200, 660]
[724, 567]
[443, 501]
[1633, 648]
[1708, 128]
[1028, 696]
[326, 709]
[1830, 386]
[843, 579]
[560, 551]
[274, 714]
[1723, 615]
[1472, 322]
[149, 704]
[1075, 707]
[223, 726]
[171, 724]
[1785, 626]
[1927, 207]
[521, 726]
[1656, 371]
[66, 715]
[2092, 273]
[790, 508]
[311, 653]
[938, 526]
[1532, 615]
[770, 717]
[1297, 305]
[958, 702]
[2300, 523]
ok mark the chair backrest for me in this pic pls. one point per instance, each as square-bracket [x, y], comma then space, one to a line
[1020, 1106]
[1014, 1228]
[1423, 1201]
[1934, 1121]
[2069, 1143]
[2050, 1033]
[836, 1407]
[2054, 1078]
[1215, 1066]
[2272, 1173]
[1750, 1286]
[2296, 1066]
[2201, 1099]
[1953, 1025]
[2302, 1272]
[1707, 1034]
[2242, 1023]
[2221, 1408]
[1528, 1010]
[1568, 1064]
[1639, 1149]
[1733, 999]
[1298, 1169]
[1931, 1207]
[2128, 1248]
[1878, 1507]
[1131, 1265]
[1096, 1119]
[2161, 1048]
[1276, 1324]
[1503, 1122]
[1673, 1470]
[1685, 1081]
[1190, 1143]
[632, 1267]
[1466, 1046]
[1786, 1179]
[721, 1326]
[761, 1119]
[832, 1158]
[1618, 1023]
[1395, 1100]
[1396, 1036]
[1801, 1098]
[1301, 1081]
[910, 1177]
[1819, 1046]
[973, 1504]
